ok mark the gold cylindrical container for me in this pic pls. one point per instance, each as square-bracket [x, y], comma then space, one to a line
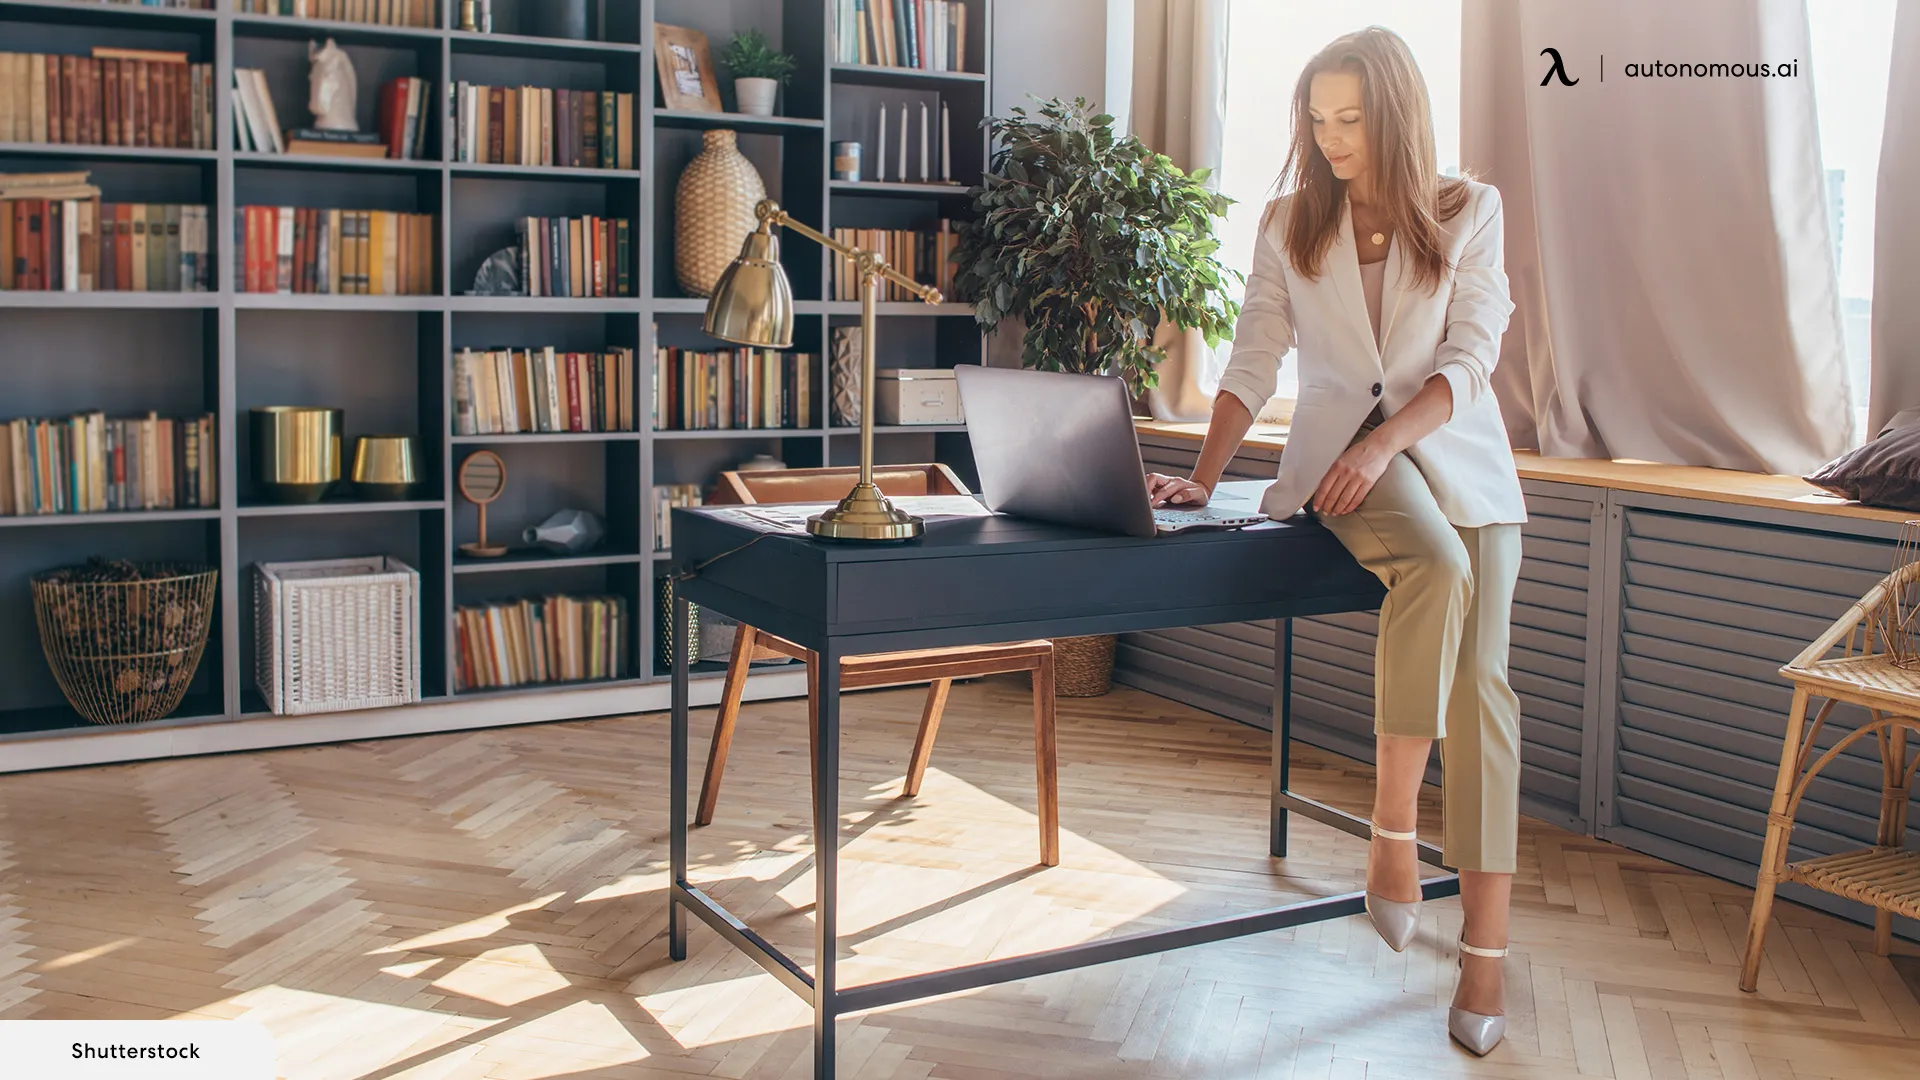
[384, 466]
[296, 452]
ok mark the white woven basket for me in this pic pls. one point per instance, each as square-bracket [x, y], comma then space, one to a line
[337, 634]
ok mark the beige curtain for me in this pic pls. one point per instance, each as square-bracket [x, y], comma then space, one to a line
[1179, 108]
[1896, 233]
[1667, 238]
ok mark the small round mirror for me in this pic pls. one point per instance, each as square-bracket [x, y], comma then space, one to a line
[483, 476]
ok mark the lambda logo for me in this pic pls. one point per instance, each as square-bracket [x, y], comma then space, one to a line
[1558, 68]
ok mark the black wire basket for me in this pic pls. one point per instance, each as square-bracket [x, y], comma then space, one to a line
[124, 639]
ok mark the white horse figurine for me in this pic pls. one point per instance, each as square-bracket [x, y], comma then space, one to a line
[334, 90]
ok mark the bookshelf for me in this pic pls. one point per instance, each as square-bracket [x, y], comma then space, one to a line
[387, 360]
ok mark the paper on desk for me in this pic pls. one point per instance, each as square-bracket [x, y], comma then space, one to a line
[792, 517]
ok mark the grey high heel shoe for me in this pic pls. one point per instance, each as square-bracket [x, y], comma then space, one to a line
[1476, 1031]
[1394, 920]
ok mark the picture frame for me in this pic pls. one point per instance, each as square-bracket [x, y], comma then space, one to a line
[685, 64]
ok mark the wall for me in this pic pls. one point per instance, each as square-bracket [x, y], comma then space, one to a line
[1052, 48]
[1049, 48]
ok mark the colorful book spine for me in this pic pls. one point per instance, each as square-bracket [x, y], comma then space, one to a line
[85, 245]
[290, 249]
[112, 97]
[532, 391]
[89, 464]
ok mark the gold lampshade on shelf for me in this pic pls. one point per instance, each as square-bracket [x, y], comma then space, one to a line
[752, 305]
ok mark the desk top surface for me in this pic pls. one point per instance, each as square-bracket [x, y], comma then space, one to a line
[976, 580]
[999, 533]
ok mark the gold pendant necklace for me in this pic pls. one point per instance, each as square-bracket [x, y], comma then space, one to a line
[1379, 238]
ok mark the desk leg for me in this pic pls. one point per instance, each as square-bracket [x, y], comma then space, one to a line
[676, 919]
[1282, 731]
[826, 863]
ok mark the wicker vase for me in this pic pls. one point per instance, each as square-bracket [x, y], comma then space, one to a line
[1083, 666]
[713, 212]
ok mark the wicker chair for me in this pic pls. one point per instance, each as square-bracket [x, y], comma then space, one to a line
[1878, 668]
[936, 666]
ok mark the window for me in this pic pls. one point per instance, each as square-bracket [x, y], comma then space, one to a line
[1271, 41]
[1852, 53]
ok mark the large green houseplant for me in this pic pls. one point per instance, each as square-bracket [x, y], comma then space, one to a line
[1091, 240]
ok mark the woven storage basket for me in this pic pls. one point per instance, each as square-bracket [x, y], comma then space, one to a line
[125, 652]
[713, 212]
[1083, 666]
[337, 634]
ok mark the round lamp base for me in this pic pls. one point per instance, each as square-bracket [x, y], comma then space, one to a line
[865, 514]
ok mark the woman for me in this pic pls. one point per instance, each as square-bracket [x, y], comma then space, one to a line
[1389, 279]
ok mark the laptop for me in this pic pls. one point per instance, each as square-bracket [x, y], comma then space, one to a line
[1061, 448]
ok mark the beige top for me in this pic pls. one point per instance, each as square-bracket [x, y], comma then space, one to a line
[1373, 276]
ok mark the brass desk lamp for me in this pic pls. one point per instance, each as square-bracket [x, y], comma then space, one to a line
[753, 305]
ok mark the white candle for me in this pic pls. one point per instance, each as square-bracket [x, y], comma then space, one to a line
[946, 145]
[902, 174]
[880, 155]
[925, 173]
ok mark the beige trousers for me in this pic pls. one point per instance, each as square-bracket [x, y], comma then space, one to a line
[1441, 666]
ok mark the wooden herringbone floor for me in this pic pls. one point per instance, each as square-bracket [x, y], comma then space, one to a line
[490, 905]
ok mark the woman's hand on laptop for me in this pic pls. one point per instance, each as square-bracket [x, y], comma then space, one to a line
[1163, 490]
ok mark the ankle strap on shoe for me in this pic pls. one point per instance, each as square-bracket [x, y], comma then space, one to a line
[1389, 834]
[1475, 950]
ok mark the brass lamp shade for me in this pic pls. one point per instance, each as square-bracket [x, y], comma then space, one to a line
[752, 304]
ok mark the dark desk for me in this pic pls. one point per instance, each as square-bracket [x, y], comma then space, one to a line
[972, 581]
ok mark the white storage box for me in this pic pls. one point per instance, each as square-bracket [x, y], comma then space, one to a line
[336, 634]
[916, 396]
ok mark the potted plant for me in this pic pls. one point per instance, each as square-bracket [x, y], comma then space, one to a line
[1092, 241]
[758, 70]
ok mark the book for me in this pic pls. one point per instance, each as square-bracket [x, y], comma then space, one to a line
[526, 391]
[531, 125]
[92, 463]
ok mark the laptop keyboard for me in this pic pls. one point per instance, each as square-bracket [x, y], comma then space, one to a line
[1186, 517]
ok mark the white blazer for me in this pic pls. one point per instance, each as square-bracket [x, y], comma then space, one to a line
[1454, 331]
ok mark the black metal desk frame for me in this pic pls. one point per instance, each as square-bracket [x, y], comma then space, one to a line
[949, 588]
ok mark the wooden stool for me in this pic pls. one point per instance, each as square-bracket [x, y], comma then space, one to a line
[936, 666]
[1886, 875]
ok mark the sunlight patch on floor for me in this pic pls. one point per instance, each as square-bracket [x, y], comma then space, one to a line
[505, 976]
[471, 930]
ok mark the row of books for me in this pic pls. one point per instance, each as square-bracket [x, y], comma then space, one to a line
[583, 256]
[381, 12]
[516, 391]
[191, 5]
[665, 498]
[926, 257]
[927, 34]
[287, 249]
[114, 97]
[550, 639]
[84, 245]
[88, 463]
[538, 125]
[732, 389]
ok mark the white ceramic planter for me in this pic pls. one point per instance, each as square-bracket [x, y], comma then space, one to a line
[756, 96]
